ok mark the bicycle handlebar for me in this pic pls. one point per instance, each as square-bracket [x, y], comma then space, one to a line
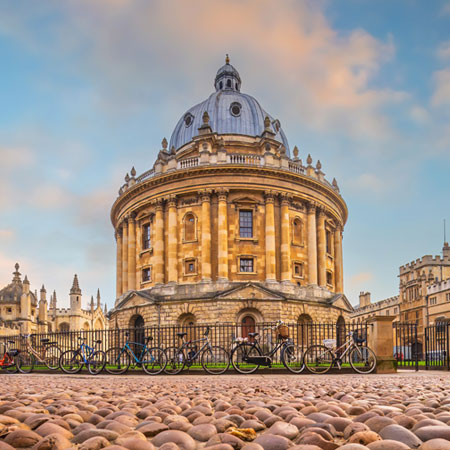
[207, 331]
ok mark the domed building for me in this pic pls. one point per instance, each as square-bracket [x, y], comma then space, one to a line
[227, 226]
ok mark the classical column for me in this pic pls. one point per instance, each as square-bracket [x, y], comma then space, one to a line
[119, 262]
[312, 244]
[124, 256]
[270, 237]
[158, 245]
[222, 253]
[338, 269]
[205, 196]
[173, 240]
[321, 248]
[131, 252]
[285, 244]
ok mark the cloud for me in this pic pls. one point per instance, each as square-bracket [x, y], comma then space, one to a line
[6, 234]
[443, 51]
[441, 81]
[368, 182]
[446, 9]
[420, 115]
[16, 157]
[359, 281]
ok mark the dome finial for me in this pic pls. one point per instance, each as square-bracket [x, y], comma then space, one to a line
[227, 59]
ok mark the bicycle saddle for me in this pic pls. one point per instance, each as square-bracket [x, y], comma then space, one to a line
[44, 341]
[181, 334]
[98, 341]
[358, 340]
[253, 334]
[11, 342]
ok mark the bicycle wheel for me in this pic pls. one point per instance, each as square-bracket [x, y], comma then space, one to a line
[175, 360]
[96, 362]
[362, 359]
[51, 357]
[12, 367]
[215, 360]
[241, 358]
[154, 360]
[318, 359]
[118, 360]
[71, 361]
[292, 358]
[25, 362]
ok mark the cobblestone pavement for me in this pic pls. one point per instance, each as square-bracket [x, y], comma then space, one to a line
[255, 412]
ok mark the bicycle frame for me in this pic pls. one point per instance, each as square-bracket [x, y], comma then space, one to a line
[280, 343]
[33, 351]
[188, 344]
[7, 360]
[349, 344]
[82, 351]
[128, 349]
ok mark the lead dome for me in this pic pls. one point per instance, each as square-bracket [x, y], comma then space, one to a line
[230, 112]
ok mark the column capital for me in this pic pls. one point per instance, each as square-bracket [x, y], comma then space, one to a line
[311, 207]
[340, 227]
[172, 201]
[321, 211]
[222, 194]
[159, 203]
[285, 198]
[205, 195]
[270, 196]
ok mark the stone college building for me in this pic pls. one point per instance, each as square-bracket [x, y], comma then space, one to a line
[228, 225]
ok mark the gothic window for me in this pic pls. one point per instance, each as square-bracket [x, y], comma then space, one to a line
[189, 228]
[146, 274]
[245, 224]
[246, 265]
[146, 236]
[297, 232]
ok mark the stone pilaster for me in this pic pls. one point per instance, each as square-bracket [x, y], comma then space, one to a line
[205, 197]
[270, 237]
[285, 244]
[118, 262]
[222, 253]
[338, 262]
[321, 248]
[312, 244]
[158, 246]
[173, 240]
[131, 253]
[125, 256]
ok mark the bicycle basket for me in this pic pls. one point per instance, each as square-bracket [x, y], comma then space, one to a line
[283, 331]
[329, 343]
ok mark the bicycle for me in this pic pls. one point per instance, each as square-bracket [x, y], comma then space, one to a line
[214, 360]
[8, 361]
[248, 356]
[49, 356]
[72, 361]
[320, 358]
[152, 359]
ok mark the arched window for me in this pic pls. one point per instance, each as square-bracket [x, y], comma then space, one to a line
[297, 232]
[190, 228]
[138, 332]
[221, 85]
[146, 236]
[229, 83]
[64, 327]
[305, 330]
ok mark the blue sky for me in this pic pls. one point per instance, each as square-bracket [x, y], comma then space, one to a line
[88, 89]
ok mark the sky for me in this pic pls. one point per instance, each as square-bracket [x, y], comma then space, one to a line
[89, 88]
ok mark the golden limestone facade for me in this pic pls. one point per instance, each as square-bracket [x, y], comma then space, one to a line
[22, 313]
[226, 226]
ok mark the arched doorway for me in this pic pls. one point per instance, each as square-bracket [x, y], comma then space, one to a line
[187, 324]
[304, 330]
[247, 325]
[64, 327]
[137, 330]
[340, 331]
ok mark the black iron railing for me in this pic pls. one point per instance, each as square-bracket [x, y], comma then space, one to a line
[407, 346]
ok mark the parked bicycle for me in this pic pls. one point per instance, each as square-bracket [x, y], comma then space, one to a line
[72, 361]
[49, 355]
[213, 359]
[248, 356]
[320, 358]
[8, 360]
[152, 359]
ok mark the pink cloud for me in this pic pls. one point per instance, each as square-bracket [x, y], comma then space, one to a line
[441, 94]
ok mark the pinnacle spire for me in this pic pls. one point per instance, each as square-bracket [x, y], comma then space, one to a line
[16, 274]
[227, 59]
[75, 286]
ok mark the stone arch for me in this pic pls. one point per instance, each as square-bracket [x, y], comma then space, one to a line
[187, 323]
[64, 327]
[340, 331]
[247, 320]
[98, 325]
[86, 326]
[305, 330]
[189, 227]
[137, 325]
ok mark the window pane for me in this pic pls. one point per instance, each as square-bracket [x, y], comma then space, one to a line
[246, 265]
[146, 236]
[246, 224]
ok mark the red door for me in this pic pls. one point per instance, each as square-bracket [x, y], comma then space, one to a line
[248, 326]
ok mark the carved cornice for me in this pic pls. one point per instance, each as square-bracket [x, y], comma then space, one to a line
[286, 198]
[211, 171]
[172, 201]
[311, 207]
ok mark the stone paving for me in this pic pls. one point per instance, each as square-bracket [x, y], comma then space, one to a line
[255, 412]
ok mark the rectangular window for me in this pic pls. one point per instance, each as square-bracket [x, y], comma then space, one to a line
[146, 241]
[298, 270]
[146, 274]
[328, 241]
[9, 310]
[246, 224]
[447, 296]
[329, 278]
[395, 310]
[246, 265]
[433, 300]
[190, 267]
